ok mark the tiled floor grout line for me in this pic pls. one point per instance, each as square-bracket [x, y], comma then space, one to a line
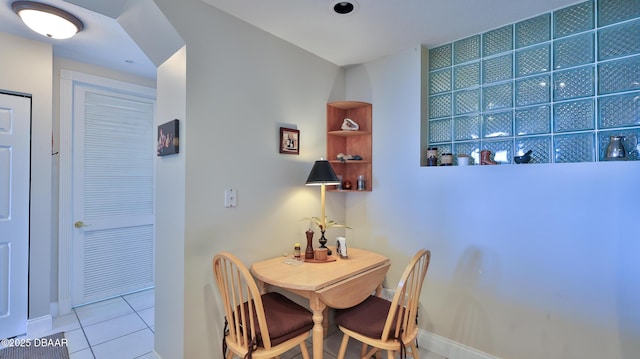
[138, 313]
[84, 333]
[82, 326]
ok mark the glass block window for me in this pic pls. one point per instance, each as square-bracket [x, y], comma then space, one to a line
[558, 84]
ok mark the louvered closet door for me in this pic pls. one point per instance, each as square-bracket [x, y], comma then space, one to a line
[113, 240]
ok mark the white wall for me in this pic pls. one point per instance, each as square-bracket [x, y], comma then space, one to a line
[242, 84]
[170, 212]
[25, 66]
[535, 261]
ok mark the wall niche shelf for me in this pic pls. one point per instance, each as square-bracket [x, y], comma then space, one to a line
[350, 142]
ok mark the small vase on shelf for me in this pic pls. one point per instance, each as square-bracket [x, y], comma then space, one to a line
[308, 253]
[323, 241]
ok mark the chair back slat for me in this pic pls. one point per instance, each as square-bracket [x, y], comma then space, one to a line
[401, 320]
[242, 303]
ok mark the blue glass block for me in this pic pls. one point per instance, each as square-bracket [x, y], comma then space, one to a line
[573, 19]
[466, 49]
[466, 128]
[497, 69]
[533, 90]
[619, 75]
[619, 40]
[619, 110]
[439, 81]
[540, 145]
[578, 147]
[574, 116]
[574, 83]
[439, 131]
[497, 124]
[497, 41]
[632, 137]
[612, 11]
[467, 75]
[533, 120]
[533, 60]
[467, 102]
[501, 151]
[533, 31]
[470, 148]
[574, 51]
[440, 57]
[497, 97]
[440, 106]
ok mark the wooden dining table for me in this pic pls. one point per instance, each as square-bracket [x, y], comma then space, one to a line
[336, 283]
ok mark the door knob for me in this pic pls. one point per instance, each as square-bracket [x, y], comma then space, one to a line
[79, 224]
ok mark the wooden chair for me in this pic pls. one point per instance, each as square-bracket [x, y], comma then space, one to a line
[386, 325]
[259, 326]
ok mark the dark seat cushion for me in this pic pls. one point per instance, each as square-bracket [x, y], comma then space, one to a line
[367, 318]
[286, 319]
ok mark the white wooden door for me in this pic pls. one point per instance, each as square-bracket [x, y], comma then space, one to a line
[113, 203]
[15, 136]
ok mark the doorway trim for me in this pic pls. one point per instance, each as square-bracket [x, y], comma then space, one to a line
[65, 232]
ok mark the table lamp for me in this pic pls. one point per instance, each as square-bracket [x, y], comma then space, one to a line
[322, 175]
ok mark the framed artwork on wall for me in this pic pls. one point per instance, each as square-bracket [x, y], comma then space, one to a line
[289, 141]
[168, 138]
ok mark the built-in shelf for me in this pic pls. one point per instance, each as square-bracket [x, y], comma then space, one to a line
[350, 142]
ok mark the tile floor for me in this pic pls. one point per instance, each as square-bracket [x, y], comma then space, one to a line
[123, 328]
[117, 328]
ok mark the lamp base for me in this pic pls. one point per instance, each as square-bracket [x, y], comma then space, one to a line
[323, 241]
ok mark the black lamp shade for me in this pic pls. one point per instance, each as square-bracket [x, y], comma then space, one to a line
[322, 173]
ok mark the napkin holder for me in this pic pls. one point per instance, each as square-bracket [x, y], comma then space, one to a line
[341, 247]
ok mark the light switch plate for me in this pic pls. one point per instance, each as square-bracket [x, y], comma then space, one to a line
[230, 199]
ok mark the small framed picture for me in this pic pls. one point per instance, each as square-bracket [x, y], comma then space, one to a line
[289, 141]
[168, 138]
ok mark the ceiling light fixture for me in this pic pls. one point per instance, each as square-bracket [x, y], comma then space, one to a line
[47, 20]
[344, 7]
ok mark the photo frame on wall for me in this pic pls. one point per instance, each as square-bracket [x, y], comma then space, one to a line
[168, 138]
[289, 141]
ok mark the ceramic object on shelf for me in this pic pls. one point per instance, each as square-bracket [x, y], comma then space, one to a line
[617, 150]
[485, 158]
[463, 160]
[350, 125]
[526, 158]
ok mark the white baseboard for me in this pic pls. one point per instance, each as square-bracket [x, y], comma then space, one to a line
[448, 348]
[38, 327]
[440, 345]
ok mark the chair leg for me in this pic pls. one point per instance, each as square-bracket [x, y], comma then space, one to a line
[303, 349]
[415, 354]
[390, 354]
[343, 346]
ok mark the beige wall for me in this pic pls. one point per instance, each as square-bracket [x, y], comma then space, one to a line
[242, 84]
[528, 262]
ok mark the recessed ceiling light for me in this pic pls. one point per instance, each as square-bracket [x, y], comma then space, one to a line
[344, 7]
[47, 20]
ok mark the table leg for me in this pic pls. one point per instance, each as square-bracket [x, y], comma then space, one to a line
[262, 286]
[379, 290]
[318, 332]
